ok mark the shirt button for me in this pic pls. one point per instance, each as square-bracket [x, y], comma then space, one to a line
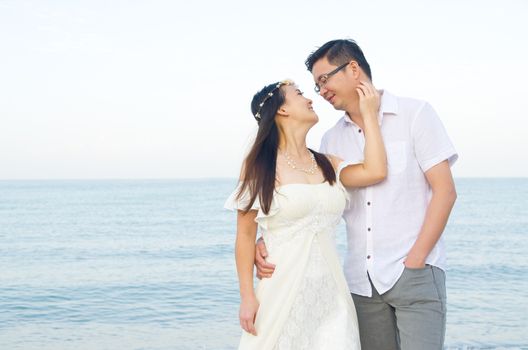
[368, 229]
[368, 256]
[359, 131]
[368, 203]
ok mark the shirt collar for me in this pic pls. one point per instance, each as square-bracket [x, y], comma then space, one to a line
[388, 105]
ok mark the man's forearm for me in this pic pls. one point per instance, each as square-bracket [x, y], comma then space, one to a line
[435, 221]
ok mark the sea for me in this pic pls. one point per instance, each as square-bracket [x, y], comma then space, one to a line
[149, 264]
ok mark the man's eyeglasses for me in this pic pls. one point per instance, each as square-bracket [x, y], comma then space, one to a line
[323, 79]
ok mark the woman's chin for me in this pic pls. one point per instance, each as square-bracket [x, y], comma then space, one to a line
[314, 121]
[311, 119]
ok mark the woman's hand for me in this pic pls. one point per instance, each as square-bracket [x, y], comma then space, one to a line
[369, 100]
[374, 167]
[248, 311]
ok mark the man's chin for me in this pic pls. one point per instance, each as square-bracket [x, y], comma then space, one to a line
[337, 106]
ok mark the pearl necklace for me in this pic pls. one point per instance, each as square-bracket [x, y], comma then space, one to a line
[291, 163]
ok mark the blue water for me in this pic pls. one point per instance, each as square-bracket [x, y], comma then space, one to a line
[149, 265]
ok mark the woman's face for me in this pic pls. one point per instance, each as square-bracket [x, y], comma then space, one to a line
[297, 106]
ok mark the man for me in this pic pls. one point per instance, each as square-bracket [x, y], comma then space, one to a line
[395, 254]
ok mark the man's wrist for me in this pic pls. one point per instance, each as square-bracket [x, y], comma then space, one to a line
[415, 261]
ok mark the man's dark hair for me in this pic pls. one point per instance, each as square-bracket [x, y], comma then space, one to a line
[339, 52]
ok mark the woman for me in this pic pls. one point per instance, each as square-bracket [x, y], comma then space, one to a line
[296, 196]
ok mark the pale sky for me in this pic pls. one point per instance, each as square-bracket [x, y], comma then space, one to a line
[161, 89]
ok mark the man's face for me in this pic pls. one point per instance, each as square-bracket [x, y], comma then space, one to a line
[339, 88]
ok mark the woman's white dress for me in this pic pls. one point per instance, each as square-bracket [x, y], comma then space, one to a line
[306, 304]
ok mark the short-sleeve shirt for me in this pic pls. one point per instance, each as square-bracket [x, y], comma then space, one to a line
[384, 220]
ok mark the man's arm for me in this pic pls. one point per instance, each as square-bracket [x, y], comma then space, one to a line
[438, 210]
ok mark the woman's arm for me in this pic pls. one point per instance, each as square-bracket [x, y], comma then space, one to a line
[374, 167]
[244, 255]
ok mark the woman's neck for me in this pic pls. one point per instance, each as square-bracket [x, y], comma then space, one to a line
[293, 142]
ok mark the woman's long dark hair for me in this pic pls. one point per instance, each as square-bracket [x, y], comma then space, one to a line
[259, 169]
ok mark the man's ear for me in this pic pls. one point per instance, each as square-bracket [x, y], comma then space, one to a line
[355, 69]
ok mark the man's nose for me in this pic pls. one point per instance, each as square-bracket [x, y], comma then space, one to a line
[323, 91]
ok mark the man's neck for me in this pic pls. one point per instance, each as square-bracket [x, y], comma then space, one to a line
[355, 116]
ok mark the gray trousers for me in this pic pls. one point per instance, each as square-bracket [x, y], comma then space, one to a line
[410, 316]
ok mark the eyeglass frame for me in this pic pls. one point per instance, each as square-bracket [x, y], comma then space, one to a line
[327, 76]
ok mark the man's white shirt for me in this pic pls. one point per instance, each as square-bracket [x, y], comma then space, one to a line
[384, 220]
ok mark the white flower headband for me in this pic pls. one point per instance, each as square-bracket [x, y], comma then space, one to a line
[279, 84]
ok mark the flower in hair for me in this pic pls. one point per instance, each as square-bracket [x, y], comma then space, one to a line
[270, 94]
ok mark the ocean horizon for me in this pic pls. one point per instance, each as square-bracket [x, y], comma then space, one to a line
[149, 264]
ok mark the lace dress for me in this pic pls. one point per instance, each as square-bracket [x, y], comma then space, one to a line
[306, 304]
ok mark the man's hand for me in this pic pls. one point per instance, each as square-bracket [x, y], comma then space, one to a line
[264, 269]
[412, 262]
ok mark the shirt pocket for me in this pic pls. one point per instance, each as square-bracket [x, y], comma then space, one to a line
[396, 157]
